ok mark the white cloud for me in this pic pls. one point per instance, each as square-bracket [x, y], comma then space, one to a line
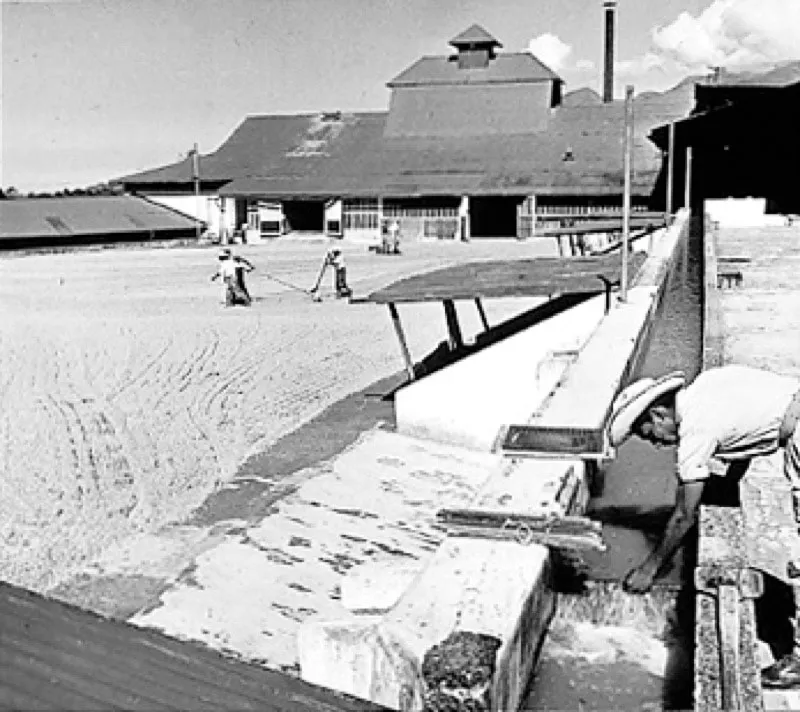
[636, 67]
[550, 50]
[585, 65]
[733, 33]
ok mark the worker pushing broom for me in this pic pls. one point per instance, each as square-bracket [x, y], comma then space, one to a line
[729, 414]
[233, 278]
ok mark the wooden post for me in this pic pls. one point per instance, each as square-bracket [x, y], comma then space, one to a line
[196, 179]
[687, 187]
[626, 194]
[398, 327]
[670, 169]
[482, 314]
[453, 329]
[223, 228]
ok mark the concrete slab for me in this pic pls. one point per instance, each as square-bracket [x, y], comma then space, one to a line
[760, 326]
[252, 589]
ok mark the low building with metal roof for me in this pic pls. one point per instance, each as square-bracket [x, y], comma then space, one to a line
[478, 143]
[54, 656]
[81, 220]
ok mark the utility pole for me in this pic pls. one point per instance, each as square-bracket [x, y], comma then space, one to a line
[196, 179]
[670, 169]
[626, 192]
[687, 185]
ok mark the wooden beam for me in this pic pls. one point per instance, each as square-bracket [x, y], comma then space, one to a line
[453, 329]
[538, 439]
[482, 314]
[561, 532]
[398, 327]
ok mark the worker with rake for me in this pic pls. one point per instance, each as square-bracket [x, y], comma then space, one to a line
[728, 414]
[232, 270]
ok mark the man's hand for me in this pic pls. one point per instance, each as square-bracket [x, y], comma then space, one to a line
[640, 579]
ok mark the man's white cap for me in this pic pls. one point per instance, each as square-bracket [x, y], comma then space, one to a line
[224, 253]
[633, 400]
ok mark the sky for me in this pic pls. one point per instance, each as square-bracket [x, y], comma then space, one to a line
[97, 89]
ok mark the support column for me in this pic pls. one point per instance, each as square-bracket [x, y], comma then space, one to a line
[687, 185]
[453, 329]
[223, 222]
[398, 328]
[482, 314]
[463, 219]
[670, 170]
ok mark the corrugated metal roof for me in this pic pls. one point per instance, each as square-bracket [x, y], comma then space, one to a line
[504, 68]
[293, 156]
[96, 215]
[474, 34]
[58, 657]
[276, 144]
[509, 278]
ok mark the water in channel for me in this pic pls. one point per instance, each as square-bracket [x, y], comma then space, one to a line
[619, 657]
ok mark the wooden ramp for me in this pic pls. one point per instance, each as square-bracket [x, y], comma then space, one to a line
[57, 657]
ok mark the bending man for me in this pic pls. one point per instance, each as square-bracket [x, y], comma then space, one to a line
[729, 414]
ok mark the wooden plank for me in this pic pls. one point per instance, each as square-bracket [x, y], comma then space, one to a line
[567, 532]
[601, 226]
[555, 439]
[722, 546]
[401, 337]
[453, 328]
[602, 215]
[482, 314]
[542, 276]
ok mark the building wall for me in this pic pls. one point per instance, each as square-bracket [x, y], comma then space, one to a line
[204, 207]
[464, 110]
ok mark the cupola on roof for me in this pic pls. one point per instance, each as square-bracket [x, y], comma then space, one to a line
[474, 35]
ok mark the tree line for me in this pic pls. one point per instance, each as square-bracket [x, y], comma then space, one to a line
[12, 193]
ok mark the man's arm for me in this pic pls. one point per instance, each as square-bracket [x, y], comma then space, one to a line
[682, 519]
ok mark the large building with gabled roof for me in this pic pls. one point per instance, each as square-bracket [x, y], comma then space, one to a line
[475, 143]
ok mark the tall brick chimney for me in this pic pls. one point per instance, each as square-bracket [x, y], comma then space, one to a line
[609, 9]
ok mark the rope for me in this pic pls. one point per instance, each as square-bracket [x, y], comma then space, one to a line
[285, 283]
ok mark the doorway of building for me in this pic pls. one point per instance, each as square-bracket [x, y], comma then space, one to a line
[494, 216]
[304, 215]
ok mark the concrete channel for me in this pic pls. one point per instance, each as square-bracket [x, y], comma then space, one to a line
[497, 591]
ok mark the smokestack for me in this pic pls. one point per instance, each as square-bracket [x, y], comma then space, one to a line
[610, 8]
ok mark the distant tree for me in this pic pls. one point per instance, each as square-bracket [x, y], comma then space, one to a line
[11, 192]
[2, 194]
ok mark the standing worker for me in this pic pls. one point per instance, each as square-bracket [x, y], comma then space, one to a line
[335, 259]
[391, 244]
[729, 414]
[243, 266]
[231, 271]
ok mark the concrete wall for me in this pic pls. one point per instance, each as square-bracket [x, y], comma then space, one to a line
[504, 383]
[741, 212]
[496, 588]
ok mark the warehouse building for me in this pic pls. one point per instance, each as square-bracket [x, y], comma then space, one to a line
[479, 143]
